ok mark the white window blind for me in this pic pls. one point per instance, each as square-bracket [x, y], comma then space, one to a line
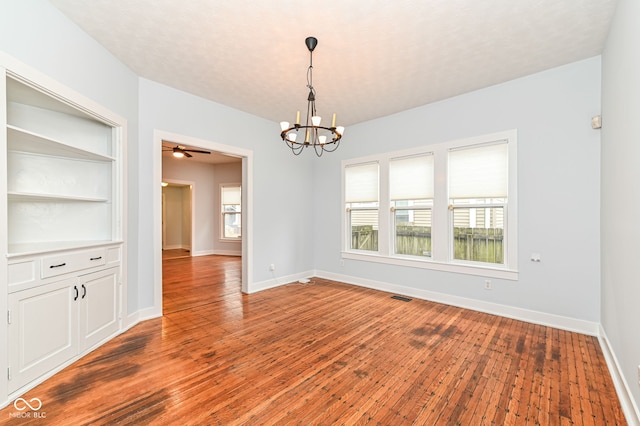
[479, 172]
[231, 195]
[361, 183]
[411, 178]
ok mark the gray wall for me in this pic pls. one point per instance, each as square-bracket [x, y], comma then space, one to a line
[207, 179]
[559, 172]
[281, 200]
[36, 33]
[558, 179]
[621, 190]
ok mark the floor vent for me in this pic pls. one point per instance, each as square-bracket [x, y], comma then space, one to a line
[404, 299]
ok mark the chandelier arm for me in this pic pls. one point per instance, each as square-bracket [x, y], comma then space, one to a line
[334, 144]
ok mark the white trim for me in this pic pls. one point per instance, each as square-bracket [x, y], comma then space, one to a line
[482, 271]
[216, 253]
[247, 200]
[192, 210]
[629, 407]
[221, 212]
[4, 237]
[442, 258]
[280, 281]
[11, 67]
[535, 317]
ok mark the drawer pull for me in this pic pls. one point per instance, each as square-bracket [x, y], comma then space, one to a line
[57, 266]
[96, 258]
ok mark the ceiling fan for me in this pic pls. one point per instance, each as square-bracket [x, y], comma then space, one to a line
[181, 151]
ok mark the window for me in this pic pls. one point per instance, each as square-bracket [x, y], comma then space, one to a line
[411, 195]
[449, 206]
[361, 198]
[478, 189]
[230, 196]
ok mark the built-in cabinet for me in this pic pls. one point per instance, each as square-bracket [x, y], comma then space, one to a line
[64, 242]
[60, 306]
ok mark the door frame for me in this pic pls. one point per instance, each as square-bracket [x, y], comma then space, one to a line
[192, 187]
[247, 205]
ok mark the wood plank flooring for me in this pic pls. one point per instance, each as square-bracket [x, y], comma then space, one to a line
[326, 353]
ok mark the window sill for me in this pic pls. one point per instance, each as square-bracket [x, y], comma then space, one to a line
[230, 240]
[483, 271]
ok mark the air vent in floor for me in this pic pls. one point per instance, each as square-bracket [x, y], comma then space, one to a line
[404, 299]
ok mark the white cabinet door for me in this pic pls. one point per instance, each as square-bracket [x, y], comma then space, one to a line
[98, 307]
[43, 330]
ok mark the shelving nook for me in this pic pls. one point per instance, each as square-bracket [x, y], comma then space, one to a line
[64, 243]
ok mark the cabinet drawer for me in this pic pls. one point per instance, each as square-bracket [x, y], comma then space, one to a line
[70, 262]
[22, 272]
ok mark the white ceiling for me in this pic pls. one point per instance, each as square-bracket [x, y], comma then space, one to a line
[374, 57]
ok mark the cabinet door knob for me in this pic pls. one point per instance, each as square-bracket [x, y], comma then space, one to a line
[75, 288]
[84, 291]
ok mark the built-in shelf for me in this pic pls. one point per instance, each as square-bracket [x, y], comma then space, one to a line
[36, 248]
[24, 196]
[22, 140]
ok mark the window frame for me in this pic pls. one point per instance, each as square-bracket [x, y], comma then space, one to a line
[224, 213]
[442, 239]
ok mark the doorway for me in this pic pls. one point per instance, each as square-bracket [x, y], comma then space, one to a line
[245, 158]
[177, 218]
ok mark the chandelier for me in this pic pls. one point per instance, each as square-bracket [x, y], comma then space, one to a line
[299, 136]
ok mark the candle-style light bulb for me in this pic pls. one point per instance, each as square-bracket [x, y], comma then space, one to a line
[298, 117]
[333, 120]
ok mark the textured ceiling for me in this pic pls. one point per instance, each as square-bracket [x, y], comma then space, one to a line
[374, 57]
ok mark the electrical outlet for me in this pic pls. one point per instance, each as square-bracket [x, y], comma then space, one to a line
[487, 284]
[272, 267]
[342, 263]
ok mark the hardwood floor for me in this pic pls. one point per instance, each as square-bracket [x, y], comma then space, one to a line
[326, 353]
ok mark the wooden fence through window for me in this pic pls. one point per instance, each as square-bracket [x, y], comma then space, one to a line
[476, 244]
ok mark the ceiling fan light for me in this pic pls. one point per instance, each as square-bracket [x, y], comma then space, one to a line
[178, 154]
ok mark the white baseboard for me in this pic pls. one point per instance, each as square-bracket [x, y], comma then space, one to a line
[217, 252]
[228, 252]
[277, 281]
[535, 317]
[629, 407]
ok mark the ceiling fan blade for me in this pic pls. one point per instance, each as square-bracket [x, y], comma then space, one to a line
[186, 154]
[197, 150]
